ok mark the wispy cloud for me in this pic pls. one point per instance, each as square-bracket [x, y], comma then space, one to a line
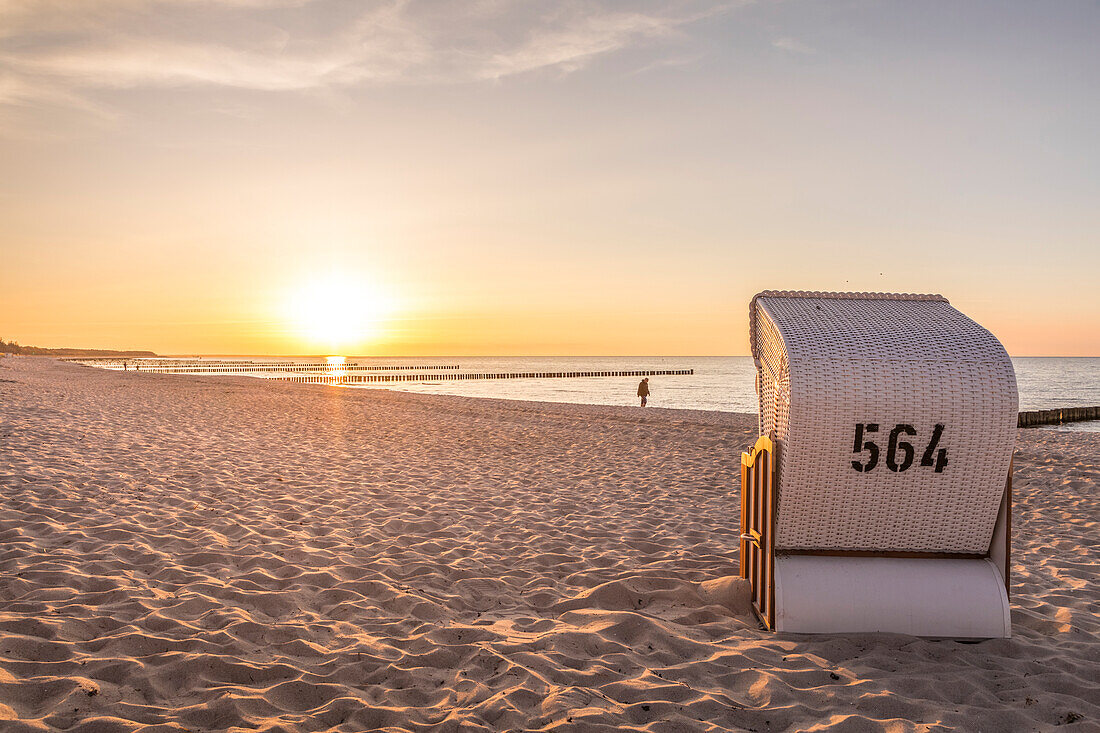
[58, 52]
[793, 45]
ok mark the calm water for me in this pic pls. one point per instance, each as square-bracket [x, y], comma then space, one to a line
[720, 382]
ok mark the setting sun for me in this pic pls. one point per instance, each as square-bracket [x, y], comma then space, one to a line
[337, 310]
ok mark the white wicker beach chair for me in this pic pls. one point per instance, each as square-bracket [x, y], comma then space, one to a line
[876, 497]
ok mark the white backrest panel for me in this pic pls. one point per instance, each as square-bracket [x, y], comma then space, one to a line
[928, 394]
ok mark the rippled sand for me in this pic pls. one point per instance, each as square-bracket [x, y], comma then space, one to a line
[209, 554]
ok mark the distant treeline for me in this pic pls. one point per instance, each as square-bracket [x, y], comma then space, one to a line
[13, 347]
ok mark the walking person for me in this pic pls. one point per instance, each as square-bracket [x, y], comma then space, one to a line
[643, 390]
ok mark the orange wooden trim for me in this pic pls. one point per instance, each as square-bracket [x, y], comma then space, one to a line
[772, 496]
[763, 444]
[1008, 528]
[758, 515]
[744, 558]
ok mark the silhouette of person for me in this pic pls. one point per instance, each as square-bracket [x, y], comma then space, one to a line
[643, 390]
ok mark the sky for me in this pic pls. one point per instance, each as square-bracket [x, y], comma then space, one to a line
[511, 177]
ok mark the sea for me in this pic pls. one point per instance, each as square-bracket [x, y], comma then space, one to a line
[724, 383]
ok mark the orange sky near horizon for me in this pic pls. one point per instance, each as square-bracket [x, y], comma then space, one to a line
[257, 323]
[283, 178]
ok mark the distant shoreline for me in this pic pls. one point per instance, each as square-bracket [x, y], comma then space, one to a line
[17, 350]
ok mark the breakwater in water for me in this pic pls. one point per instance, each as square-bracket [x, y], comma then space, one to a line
[1035, 418]
[163, 366]
[337, 371]
[338, 379]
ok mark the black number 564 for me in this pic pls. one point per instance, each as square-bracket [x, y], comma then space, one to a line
[897, 448]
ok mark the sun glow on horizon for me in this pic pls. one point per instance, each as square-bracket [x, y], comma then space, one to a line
[337, 311]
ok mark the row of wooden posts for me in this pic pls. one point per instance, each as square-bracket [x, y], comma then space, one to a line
[1057, 416]
[254, 367]
[449, 377]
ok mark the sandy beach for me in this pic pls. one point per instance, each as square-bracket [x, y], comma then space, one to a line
[225, 554]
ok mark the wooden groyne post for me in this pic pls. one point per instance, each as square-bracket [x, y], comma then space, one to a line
[1057, 416]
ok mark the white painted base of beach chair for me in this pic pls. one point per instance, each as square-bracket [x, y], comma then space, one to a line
[949, 598]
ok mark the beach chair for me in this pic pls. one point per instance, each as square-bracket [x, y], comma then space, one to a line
[879, 495]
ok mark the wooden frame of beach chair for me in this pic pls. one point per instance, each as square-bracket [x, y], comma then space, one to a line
[876, 498]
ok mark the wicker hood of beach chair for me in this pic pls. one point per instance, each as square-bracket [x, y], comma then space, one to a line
[889, 422]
